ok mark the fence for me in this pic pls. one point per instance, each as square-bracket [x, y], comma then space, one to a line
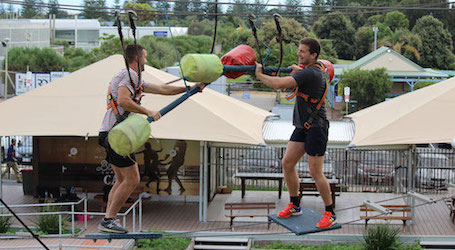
[62, 213]
[371, 170]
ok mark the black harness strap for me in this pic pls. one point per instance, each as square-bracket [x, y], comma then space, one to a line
[251, 19]
[277, 18]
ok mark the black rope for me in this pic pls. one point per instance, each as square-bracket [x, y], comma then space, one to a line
[216, 25]
[120, 33]
[277, 19]
[251, 19]
[132, 15]
[23, 224]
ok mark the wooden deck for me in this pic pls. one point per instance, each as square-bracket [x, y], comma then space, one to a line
[430, 220]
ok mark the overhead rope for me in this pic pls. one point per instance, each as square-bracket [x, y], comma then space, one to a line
[132, 16]
[175, 46]
[216, 25]
[251, 19]
[277, 19]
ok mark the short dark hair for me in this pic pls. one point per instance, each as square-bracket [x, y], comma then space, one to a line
[313, 44]
[13, 140]
[131, 52]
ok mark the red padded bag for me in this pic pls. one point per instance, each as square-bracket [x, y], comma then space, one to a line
[240, 55]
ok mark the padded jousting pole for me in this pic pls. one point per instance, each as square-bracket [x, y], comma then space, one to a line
[208, 68]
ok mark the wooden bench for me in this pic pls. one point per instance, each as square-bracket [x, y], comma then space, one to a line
[249, 206]
[260, 176]
[393, 208]
[129, 202]
[308, 187]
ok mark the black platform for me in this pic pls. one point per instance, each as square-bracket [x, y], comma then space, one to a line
[123, 236]
[304, 223]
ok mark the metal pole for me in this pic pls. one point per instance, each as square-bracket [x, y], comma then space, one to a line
[72, 220]
[201, 179]
[410, 180]
[75, 31]
[206, 173]
[59, 224]
[6, 69]
[134, 219]
[85, 213]
[375, 29]
[140, 215]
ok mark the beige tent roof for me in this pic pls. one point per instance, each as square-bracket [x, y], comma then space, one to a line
[423, 116]
[75, 105]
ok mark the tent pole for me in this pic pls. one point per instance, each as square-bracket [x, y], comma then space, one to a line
[201, 179]
[411, 184]
[206, 173]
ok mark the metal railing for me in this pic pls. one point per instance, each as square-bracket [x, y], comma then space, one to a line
[372, 170]
[132, 209]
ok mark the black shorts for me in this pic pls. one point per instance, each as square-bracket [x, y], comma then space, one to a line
[111, 156]
[315, 139]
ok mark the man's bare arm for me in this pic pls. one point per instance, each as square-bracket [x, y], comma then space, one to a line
[286, 82]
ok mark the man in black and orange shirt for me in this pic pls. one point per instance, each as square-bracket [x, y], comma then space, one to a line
[308, 137]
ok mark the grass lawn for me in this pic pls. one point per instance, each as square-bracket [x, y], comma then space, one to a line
[341, 61]
[240, 79]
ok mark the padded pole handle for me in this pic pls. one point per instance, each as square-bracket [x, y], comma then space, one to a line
[252, 68]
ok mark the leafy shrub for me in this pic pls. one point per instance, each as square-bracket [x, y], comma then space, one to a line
[381, 237]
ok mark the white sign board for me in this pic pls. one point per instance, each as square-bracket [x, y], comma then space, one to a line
[42, 79]
[347, 92]
[21, 83]
[57, 74]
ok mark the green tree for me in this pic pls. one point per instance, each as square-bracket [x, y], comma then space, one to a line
[292, 31]
[396, 20]
[196, 6]
[296, 12]
[368, 87]
[37, 59]
[360, 19]
[372, 20]
[436, 43]
[30, 10]
[339, 29]
[181, 7]
[117, 4]
[92, 9]
[364, 38]
[145, 13]
[404, 42]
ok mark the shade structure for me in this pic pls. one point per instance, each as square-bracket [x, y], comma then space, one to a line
[74, 105]
[421, 116]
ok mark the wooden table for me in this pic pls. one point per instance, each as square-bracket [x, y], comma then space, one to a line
[261, 176]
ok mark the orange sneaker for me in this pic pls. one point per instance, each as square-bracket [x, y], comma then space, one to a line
[289, 211]
[327, 220]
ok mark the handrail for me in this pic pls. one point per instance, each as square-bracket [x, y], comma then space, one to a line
[72, 213]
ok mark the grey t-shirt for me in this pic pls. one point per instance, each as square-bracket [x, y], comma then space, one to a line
[120, 79]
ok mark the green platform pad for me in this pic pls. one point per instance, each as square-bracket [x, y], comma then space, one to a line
[302, 224]
[123, 236]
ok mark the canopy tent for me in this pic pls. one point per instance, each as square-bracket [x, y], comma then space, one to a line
[74, 105]
[421, 116]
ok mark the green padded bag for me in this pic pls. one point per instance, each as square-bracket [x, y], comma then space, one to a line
[128, 136]
[204, 68]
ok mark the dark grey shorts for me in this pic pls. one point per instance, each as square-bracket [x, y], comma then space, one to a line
[111, 156]
[315, 139]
